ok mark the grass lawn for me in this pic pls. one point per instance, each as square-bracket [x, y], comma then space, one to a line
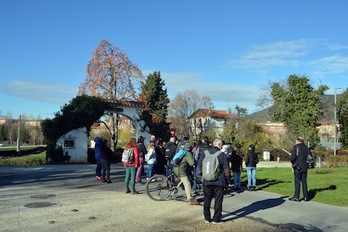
[325, 185]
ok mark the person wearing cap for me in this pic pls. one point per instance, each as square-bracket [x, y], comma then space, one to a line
[185, 165]
[250, 163]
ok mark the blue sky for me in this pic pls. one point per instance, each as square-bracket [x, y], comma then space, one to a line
[228, 50]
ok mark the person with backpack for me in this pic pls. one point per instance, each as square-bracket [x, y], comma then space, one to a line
[142, 152]
[184, 170]
[131, 166]
[216, 176]
[251, 161]
[298, 160]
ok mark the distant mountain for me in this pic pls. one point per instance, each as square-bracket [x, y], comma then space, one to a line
[266, 115]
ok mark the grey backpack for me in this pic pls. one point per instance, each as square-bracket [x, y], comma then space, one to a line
[210, 166]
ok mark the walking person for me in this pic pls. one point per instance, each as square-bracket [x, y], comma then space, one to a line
[131, 168]
[142, 151]
[214, 188]
[298, 160]
[97, 153]
[150, 158]
[251, 161]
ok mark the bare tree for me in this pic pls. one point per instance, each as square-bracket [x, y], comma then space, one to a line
[182, 106]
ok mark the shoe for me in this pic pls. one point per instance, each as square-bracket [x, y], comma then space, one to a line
[135, 192]
[128, 191]
[294, 199]
[109, 181]
[193, 202]
[217, 223]
[104, 181]
[306, 199]
[98, 178]
[207, 221]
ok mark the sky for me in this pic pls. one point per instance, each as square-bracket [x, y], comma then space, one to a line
[228, 50]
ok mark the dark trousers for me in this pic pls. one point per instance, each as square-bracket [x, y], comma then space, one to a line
[300, 177]
[210, 192]
[98, 168]
[106, 168]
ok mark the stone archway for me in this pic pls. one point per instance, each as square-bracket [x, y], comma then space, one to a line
[129, 109]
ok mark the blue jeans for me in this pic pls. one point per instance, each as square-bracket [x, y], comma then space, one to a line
[251, 172]
[150, 170]
[236, 180]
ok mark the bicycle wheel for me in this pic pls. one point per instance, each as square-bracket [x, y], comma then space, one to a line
[158, 188]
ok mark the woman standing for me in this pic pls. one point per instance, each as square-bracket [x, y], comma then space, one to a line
[150, 158]
[250, 163]
[131, 168]
[142, 152]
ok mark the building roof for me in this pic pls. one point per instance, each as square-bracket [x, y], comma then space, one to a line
[124, 103]
[212, 114]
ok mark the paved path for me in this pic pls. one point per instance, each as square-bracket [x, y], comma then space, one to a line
[67, 198]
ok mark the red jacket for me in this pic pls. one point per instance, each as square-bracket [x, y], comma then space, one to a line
[136, 158]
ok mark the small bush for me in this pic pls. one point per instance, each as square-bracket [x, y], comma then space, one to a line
[336, 161]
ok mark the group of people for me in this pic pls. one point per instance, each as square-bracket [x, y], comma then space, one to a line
[158, 155]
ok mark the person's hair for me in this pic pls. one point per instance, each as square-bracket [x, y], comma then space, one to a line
[186, 138]
[150, 145]
[172, 139]
[300, 139]
[205, 139]
[132, 142]
[217, 142]
[140, 139]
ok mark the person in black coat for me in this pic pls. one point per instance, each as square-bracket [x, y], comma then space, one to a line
[298, 160]
[250, 163]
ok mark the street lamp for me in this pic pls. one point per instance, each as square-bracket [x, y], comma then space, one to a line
[335, 129]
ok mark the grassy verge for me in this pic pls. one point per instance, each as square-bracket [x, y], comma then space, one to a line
[36, 159]
[325, 185]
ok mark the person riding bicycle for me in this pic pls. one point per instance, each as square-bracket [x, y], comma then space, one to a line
[183, 171]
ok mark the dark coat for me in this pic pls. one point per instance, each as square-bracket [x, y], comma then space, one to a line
[251, 159]
[236, 161]
[299, 156]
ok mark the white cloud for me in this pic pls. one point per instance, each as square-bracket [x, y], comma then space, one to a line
[40, 91]
[273, 54]
[222, 93]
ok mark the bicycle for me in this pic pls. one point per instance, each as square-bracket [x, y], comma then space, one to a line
[161, 187]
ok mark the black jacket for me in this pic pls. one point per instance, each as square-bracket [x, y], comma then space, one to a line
[299, 156]
[251, 159]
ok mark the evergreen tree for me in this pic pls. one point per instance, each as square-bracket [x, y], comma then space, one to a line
[156, 100]
[299, 107]
[343, 117]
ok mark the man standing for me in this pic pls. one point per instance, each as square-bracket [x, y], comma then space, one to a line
[170, 152]
[214, 188]
[298, 159]
[205, 145]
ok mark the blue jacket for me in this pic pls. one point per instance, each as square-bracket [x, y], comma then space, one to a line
[97, 149]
